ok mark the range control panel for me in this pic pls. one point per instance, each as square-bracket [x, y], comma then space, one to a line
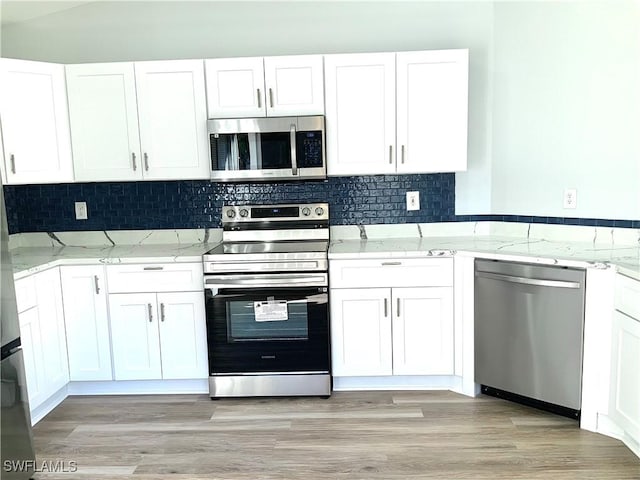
[275, 213]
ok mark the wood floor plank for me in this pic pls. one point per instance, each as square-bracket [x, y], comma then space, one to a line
[352, 435]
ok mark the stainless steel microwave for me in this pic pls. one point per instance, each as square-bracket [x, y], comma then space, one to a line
[274, 148]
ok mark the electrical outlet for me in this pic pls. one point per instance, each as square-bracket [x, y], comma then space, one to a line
[413, 201]
[81, 211]
[570, 199]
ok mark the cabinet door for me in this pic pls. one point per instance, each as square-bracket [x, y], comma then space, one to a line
[360, 114]
[625, 378]
[87, 323]
[183, 335]
[432, 111]
[104, 121]
[423, 331]
[52, 330]
[361, 331]
[173, 119]
[35, 122]
[294, 85]
[134, 334]
[235, 87]
[33, 356]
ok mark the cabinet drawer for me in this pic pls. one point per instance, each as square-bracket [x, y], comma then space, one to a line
[26, 293]
[160, 277]
[627, 296]
[406, 272]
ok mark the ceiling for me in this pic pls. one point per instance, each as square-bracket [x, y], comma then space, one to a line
[15, 11]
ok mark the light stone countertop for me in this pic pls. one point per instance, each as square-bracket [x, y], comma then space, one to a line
[551, 245]
[572, 254]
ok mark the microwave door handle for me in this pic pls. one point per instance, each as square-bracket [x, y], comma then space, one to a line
[294, 160]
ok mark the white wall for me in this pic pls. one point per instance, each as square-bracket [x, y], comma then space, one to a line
[566, 108]
[553, 98]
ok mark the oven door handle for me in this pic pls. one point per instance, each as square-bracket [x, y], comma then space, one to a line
[276, 280]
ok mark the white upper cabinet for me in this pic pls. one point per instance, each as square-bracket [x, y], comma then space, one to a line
[294, 85]
[396, 112]
[35, 122]
[104, 121]
[235, 87]
[173, 119]
[259, 87]
[432, 97]
[360, 113]
[138, 121]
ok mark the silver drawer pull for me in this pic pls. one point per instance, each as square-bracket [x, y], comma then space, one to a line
[150, 312]
[146, 162]
[385, 308]
[153, 268]
[402, 156]
[398, 305]
[390, 154]
[133, 160]
[97, 286]
[259, 98]
[387, 264]
[12, 158]
[162, 312]
[271, 97]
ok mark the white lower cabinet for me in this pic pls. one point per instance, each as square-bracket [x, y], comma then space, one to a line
[361, 332]
[157, 332]
[42, 332]
[392, 330]
[624, 403]
[87, 322]
[158, 336]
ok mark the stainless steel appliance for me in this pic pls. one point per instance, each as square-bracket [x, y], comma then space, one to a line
[529, 333]
[266, 292]
[274, 148]
[18, 456]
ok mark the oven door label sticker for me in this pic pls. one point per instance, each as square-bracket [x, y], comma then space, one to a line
[271, 311]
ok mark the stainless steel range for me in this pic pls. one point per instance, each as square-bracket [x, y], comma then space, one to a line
[266, 291]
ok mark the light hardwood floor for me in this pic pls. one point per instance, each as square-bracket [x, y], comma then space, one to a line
[352, 435]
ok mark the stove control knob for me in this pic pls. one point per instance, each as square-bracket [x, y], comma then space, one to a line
[319, 211]
[244, 212]
[231, 213]
[306, 211]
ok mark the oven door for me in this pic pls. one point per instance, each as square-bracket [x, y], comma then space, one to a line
[271, 323]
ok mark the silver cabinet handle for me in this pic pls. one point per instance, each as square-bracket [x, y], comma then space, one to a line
[271, 97]
[398, 307]
[259, 98]
[146, 162]
[385, 308]
[12, 158]
[133, 160]
[153, 268]
[95, 281]
[162, 312]
[387, 264]
[402, 154]
[528, 281]
[294, 159]
[150, 312]
[390, 154]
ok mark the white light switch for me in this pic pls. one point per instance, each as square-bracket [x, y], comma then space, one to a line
[413, 201]
[81, 210]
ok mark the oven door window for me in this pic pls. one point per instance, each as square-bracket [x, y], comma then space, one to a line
[268, 319]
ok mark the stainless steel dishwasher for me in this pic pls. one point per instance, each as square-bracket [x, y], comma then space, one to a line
[529, 323]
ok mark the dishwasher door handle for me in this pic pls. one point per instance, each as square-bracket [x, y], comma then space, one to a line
[528, 281]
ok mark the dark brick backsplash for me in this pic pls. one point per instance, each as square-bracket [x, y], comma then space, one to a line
[196, 204]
